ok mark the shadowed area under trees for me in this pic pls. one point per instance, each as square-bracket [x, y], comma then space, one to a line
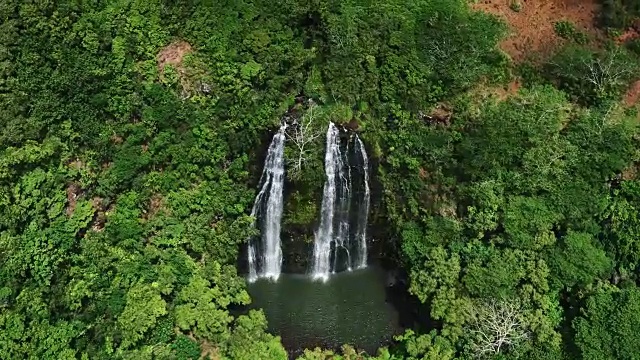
[132, 136]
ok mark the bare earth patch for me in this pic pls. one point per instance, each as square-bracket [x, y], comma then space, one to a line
[532, 28]
[156, 205]
[632, 97]
[440, 115]
[509, 90]
[173, 54]
[628, 35]
[99, 217]
[630, 172]
[483, 91]
[73, 191]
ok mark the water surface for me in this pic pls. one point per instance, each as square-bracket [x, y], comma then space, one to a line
[350, 308]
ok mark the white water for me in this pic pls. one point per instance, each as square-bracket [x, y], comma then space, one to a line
[265, 253]
[324, 235]
[333, 240]
[363, 213]
[343, 205]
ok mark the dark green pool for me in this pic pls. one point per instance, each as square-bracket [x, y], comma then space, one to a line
[350, 308]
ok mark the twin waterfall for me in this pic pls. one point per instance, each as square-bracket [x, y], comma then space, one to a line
[333, 248]
[345, 201]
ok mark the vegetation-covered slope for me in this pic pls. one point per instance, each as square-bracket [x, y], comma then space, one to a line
[130, 135]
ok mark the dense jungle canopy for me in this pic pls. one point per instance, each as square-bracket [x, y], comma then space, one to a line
[132, 135]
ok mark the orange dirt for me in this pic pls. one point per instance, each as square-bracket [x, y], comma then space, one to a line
[532, 28]
[628, 35]
[632, 97]
[173, 54]
[511, 89]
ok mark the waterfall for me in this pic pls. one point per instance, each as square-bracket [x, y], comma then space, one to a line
[324, 235]
[343, 204]
[337, 246]
[265, 252]
[363, 211]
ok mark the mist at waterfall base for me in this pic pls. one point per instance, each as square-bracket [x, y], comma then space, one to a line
[350, 308]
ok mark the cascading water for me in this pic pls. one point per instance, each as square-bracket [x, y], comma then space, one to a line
[343, 204]
[334, 248]
[363, 211]
[324, 235]
[265, 252]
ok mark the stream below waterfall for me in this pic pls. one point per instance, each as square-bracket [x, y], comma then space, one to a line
[350, 308]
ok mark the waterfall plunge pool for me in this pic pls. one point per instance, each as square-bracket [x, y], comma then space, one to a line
[350, 308]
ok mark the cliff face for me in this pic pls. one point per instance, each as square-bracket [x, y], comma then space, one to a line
[305, 178]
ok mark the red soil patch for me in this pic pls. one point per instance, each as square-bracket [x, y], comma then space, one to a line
[628, 35]
[511, 89]
[632, 33]
[632, 97]
[173, 54]
[532, 28]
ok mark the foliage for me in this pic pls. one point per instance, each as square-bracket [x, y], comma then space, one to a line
[593, 77]
[515, 5]
[606, 329]
[567, 30]
[425, 346]
[531, 204]
[131, 135]
[619, 13]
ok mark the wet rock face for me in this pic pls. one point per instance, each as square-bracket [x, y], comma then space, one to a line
[296, 255]
[293, 114]
[303, 197]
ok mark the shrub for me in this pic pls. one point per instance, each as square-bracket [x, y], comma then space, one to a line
[186, 349]
[567, 30]
[515, 5]
[592, 76]
[634, 46]
[619, 13]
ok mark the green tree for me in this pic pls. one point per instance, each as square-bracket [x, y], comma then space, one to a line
[607, 326]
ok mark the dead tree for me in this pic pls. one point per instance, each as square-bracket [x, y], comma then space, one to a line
[496, 326]
[302, 134]
[607, 71]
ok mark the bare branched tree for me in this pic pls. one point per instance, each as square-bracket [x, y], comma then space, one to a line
[603, 72]
[497, 325]
[301, 135]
